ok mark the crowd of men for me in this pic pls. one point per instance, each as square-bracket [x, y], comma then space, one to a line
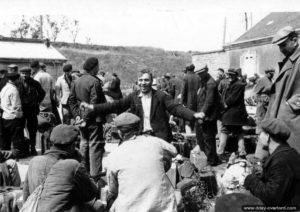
[136, 177]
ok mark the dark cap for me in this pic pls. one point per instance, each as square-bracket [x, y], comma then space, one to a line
[25, 70]
[90, 63]
[67, 68]
[64, 135]
[190, 67]
[12, 66]
[233, 72]
[125, 119]
[12, 75]
[43, 65]
[114, 74]
[282, 35]
[34, 64]
[201, 68]
[168, 75]
[276, 129]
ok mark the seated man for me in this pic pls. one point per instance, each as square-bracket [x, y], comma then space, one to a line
[136, 170]
[279, 182]
[67, 185]
[9, 175]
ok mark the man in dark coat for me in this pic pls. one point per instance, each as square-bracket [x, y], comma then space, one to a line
[279, 182]
[262, 91]
[207, 105]
[88, 89]
[67, 185]
[234, 115]
[285, 98]
[148, 104]
[189, 93]
[175, 88]
[32, 94]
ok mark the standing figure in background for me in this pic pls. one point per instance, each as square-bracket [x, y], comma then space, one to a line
[32, 95]
[115, 88]
[220, 75]
[234, 115]
[189, 94]
[88, 89]
[63, 87]
[262, 91]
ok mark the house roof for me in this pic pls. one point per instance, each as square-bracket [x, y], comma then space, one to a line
[269, 25]
[28, 50]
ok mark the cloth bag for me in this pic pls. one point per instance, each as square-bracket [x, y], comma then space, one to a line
[32, 202]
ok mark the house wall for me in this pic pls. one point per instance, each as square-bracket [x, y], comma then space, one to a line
[214, 60]
[53, 68]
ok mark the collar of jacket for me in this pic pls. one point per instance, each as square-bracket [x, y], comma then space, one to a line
[58, 153]
[151, 93]
[279, 149]
[295, 55]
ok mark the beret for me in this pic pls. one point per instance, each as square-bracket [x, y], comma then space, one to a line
[12, 75]
[233, 71]
[25, 70]
[34, 64]
[282, 35]
[67, 68]
[235, 201]
[125, 119]
[190, 67]
[276, 129]
[90, 63]
[200, 68]
[12, 66]
[64, 135]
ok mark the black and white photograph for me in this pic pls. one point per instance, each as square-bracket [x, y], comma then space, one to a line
[149, 105]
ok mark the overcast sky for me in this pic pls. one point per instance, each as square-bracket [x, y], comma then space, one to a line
[169, 24]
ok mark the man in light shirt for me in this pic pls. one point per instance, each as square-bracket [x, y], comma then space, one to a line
[62, 88]
[150, 105]
[12, 114]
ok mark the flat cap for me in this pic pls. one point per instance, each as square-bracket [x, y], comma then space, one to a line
[125, 119]
[233, 72]
[276, 129]
[168, 75]
[12, 75]
[43, 65]
[34, 64]
[64, 135]
[90, 63]
[234, 202]
[25, 70]
[67, 68]
[12, 66]
[190, 67]
[200, 68]
[282, 35]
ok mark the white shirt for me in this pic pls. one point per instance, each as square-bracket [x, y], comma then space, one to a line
[64, 89]
[47, 84]
[135, 173]
[146, 103]
[10, 102]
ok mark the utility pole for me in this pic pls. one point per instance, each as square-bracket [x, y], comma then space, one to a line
[41, 27]
[246, 21]
[224, 32]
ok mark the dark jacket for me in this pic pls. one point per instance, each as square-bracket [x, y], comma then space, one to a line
[235, 112]
[280, 181]
[189, 90]
[88, 89]
[32, 94]
[208, 98]
[285, 86]
[161, 103]
[115, 90]
[67, 184]
[175, 88]
[3, 82]
[39, 168]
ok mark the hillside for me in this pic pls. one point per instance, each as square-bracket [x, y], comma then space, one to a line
[126, 61]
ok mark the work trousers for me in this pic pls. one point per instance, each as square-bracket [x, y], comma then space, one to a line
[31, 122]
[206, 138]
[13, 133]
[92, 147]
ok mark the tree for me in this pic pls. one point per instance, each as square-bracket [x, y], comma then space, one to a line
[74, 29]
[22, 30]
[55, 27]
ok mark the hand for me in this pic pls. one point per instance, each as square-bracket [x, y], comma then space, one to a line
[294, 102]
[200, 115]
[86, 107]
